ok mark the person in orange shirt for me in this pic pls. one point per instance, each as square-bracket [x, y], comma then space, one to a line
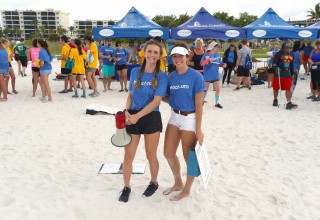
[92, 64]
[79, 56]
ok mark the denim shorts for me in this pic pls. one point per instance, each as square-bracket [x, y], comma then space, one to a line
[45, 72]
[4, 72]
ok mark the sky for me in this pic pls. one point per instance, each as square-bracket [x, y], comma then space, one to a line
[117, 9]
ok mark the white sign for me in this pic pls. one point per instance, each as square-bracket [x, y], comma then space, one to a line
[184, 33]
[155, 32]
[259, 33]
[232, 33]
[204, 163]
[106, 32]
[305, 33]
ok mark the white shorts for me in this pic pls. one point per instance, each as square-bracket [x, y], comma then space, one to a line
[186, 123]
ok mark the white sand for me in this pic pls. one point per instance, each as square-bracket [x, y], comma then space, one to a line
[265, 160]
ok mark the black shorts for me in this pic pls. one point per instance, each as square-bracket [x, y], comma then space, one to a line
[35, 69]
[271, 70]
[16, 57]
[243, 72]
[121, 67]
[24, 61]
[212, 81]
[10, 65]
[66, 72]
[148, 124]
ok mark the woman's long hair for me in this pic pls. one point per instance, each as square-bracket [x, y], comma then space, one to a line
[78, 43]
[156, 71]
[44, 45]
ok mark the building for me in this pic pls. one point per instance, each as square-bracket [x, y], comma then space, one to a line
[25, 22]
[304, 23]
[81, 26]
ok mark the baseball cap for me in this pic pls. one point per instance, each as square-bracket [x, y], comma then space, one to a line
[212, 45]
[287, 44]
[179, 50]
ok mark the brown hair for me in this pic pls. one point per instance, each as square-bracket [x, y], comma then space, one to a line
[156, 71]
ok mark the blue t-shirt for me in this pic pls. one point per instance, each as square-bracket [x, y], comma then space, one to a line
[169, 57]
[182, 89]
[231, 56]
[143, 95]
[123, 54]
[307, 50]
[45, 57]
[106, 51]
[315, 58]
[296, 61]
[4, 64]
[211, 70]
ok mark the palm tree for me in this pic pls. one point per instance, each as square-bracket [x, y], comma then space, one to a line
[314, 14]
[71, 29]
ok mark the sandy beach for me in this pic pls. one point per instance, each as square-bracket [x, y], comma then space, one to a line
[265, 160]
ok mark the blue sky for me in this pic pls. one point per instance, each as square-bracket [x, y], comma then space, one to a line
[117, 9]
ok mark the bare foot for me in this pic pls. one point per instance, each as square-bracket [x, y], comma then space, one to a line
[104, 90]
[172, 189]
[180, 196]
[110, 89]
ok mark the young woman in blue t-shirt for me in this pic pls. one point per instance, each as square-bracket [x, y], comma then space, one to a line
[148, 85]
[4, 72]
[185, 95]
[45, 69]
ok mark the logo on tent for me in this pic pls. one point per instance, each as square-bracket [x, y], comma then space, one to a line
[197, 24]
[106, 32]
[155, 32]
[232, 33]
[259, 33]
[184, 33]
[267, 23]
[305, 33]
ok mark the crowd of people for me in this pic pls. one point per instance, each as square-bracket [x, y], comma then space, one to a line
[178, 76]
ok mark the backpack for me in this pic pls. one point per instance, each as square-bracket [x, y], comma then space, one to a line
[248, 62]
[69, 62]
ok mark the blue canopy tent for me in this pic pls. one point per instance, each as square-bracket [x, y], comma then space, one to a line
[270, 26]
[204, 25]
[132, 25]
[316, 26]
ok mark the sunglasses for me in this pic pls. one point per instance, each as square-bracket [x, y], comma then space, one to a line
[118, 45]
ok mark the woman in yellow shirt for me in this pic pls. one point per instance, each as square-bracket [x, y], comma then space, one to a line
[6, 43]
[78, 55]
[92, 66]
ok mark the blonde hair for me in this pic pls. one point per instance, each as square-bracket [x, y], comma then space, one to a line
[199, 39]
[156, 71]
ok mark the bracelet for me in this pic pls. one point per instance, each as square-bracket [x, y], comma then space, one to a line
[124, 110]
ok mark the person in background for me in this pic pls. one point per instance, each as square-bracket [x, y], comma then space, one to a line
[33, 56]
[100, 44]
[133, 52]
[314, 62]
[306, 54]
[196, 55]
[148, 85]
[242, 72]
[65, 51]
[6, 43]
[271, 70]
[211, 61]
[92, 64]
[106, 53]
[283, 62]
[185, 97]
[297, 61]
[230, 57]
[171, 66]
[4, 71]
[78, 70]
[16, 56]
[22, 50]
[122, 58]
[45, 70]
[141, 52]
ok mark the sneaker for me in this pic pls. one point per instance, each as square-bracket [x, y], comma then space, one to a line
[311, 97]
[9, 93]
[95, 94]
[70, 90]
[290, 105]
[152, 188]
[275, 102]
[90, 88]
[15, 92]
[43, 99]
[83, 96]
[75, 96]
[121, 90]
[124, 197]
[126, 90]
[218, 106]
[237, 88]
[316, 99]
[64, 91]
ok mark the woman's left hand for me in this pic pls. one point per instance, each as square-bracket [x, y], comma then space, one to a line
[133, 119]
[200, 136]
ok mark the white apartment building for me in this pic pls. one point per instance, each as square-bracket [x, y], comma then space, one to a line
[83, 25]
[28, 20]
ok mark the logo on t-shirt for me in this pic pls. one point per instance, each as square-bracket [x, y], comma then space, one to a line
[179, 87]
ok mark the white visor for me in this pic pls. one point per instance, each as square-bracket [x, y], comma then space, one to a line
[179, 50]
